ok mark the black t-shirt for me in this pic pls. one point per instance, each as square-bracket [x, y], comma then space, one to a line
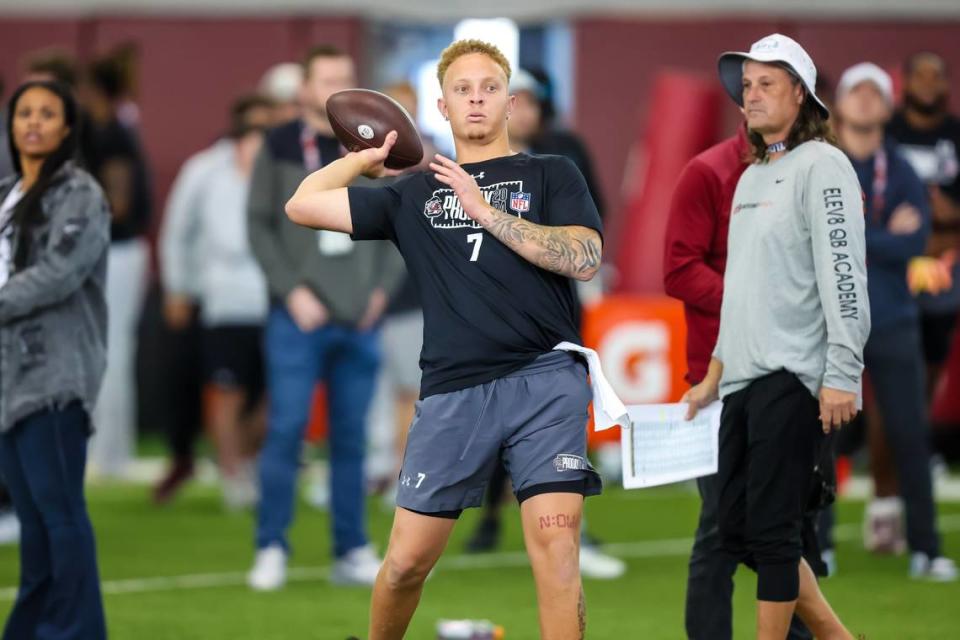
[406, 298]
[487, 311]
[116, 142]
[933, 153]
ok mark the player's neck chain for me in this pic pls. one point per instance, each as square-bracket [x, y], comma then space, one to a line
[777, 147]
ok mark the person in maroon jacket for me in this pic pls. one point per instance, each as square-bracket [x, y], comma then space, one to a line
[696, 252]
[694, 262]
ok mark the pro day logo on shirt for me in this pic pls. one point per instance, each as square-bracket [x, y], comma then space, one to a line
[444, 211]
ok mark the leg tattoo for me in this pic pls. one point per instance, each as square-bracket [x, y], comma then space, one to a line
[582, 614]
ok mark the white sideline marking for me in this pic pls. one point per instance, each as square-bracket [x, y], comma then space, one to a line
[639, 549]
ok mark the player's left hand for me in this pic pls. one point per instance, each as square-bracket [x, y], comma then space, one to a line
[837, 408]
[454, 176]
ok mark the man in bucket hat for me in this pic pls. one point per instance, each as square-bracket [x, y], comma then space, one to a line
[793, 323]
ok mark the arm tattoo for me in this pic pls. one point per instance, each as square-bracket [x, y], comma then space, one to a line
[574, 252]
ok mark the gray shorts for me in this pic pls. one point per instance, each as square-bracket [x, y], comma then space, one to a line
[534, 420]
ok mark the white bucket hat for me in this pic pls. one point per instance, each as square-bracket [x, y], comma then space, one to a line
[772, 48]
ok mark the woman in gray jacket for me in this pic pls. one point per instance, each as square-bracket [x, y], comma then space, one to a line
[54, 234]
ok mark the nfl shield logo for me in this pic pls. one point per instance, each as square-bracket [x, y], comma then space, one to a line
[520, 201]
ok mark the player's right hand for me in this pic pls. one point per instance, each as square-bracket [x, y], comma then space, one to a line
[372, 159]
[307, 311]
[699, 397]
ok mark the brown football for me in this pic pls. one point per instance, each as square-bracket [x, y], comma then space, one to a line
[362, 119]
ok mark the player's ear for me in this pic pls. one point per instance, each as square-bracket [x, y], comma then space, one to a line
[442, 108]
[511, 103]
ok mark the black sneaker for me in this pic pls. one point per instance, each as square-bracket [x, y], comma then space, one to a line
[177, 475]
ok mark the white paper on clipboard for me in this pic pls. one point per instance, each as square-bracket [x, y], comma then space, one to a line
[661, 447]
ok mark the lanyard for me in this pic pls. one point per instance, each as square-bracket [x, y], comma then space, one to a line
[879, 183]
[330, 243]
[311, 152]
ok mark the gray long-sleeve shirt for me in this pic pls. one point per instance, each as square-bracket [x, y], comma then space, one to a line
[795, 287]
[341, 273]
[203, 242]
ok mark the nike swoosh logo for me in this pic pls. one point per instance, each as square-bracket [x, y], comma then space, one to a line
[478, 176]
[778, 181]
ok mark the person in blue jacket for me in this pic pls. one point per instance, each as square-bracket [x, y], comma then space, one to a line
[897, 227]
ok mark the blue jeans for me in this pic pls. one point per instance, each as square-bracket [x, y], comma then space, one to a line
[347, 360]
[42, 460]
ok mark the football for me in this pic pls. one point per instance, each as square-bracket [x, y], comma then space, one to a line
[362, 118]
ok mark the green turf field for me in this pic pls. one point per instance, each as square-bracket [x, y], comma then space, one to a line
[139, 543]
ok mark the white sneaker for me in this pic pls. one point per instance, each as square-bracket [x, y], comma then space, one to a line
[388, 501]
[829, 558]
[9, 528]
[317, 494]
[939, 569]
[883, 530]
[269, 571]
[358, 566]
[239, 490]
[598, 565]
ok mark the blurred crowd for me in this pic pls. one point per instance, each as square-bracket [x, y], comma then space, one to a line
[245, 313]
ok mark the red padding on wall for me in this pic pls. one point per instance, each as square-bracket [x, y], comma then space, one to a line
[684, 119]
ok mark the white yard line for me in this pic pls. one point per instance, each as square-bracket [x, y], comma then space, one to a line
[639, 549]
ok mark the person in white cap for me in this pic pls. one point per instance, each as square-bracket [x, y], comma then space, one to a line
[897, 228]
[282, 83]
[794, 319]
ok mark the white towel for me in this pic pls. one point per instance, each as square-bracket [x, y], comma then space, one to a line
[608, 409]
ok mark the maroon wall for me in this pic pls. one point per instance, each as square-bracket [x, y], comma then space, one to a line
[617, 60]
[190, 68]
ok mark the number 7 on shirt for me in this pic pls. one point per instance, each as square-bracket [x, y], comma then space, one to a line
[476, 239]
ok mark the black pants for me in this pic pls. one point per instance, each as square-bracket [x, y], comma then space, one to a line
[184, 384]
[709, 610]
[770, 441]
[937, 334]
[893, 361]
[5, 502]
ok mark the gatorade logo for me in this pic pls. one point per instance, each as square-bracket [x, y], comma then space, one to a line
[636, 359]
